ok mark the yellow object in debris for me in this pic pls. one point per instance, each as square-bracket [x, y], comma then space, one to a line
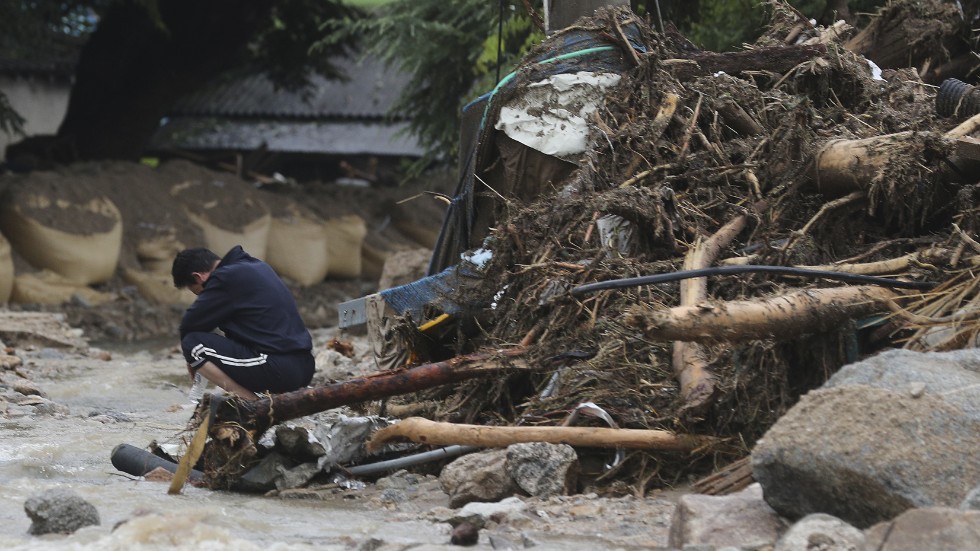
[190, 458]
[433, 322]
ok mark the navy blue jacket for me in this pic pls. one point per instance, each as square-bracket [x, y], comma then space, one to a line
[246, 299]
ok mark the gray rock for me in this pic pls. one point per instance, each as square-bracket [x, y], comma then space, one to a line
[43, 406]
[741, 519]
[400, 480]
[477, 513]
[542, 469]
[295, 442]
[933, 528]
[59, 511]
[955, 376]
[477, 477]
[972, 500]
[865, 454]
[821, 532]
[262, 477]
[297, 476]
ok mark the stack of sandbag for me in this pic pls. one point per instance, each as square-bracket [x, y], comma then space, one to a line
[74, 232]
[227, 212]
[156, 227]
[6, 270]
[297, 246]
[345, 237]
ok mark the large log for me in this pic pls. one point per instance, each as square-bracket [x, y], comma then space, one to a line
[778, 59]
[424, 431]
[781, 317]
[844, 166]
[277, 408]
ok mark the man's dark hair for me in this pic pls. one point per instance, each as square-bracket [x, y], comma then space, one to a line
[189, 261]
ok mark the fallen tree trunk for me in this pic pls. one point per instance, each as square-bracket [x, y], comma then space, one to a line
[425, 431]
[779, 317]
[779, 59]
[844, 166]
[277, 408]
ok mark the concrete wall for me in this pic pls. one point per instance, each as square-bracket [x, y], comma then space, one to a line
[41, 100]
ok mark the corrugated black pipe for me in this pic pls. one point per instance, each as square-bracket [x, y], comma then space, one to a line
[957, 98]
[137, 462]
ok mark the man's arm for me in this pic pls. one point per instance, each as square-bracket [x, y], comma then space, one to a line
[212, 307]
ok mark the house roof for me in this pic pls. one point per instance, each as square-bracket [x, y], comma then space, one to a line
[343, 137]
[370, 92]
[245, 111]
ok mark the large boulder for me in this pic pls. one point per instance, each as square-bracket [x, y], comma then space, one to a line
[867, 453]
[945, 374]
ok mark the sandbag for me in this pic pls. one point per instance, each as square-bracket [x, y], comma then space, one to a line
[156, 255]
[297, 246]
[47, 287]
[345, 235]
[78, 236]
[157, 287]
[6, 270]
[227, 215]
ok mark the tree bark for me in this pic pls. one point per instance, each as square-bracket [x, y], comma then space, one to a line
[689, 360]
[425, 431]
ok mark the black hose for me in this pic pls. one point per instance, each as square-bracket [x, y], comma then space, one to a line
[725, 270]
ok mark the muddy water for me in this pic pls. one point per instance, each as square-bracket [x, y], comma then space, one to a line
[137, 398]
[140, 396]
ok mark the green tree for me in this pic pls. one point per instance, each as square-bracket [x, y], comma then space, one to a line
[450, 49]
[140, 56]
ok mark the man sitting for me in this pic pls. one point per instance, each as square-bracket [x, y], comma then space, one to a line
[265, 346]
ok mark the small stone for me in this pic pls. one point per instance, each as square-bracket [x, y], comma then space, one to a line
[465, 534]
[59, 511]
[917, 389]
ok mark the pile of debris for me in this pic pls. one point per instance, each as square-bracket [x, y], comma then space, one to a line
[734, 229]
